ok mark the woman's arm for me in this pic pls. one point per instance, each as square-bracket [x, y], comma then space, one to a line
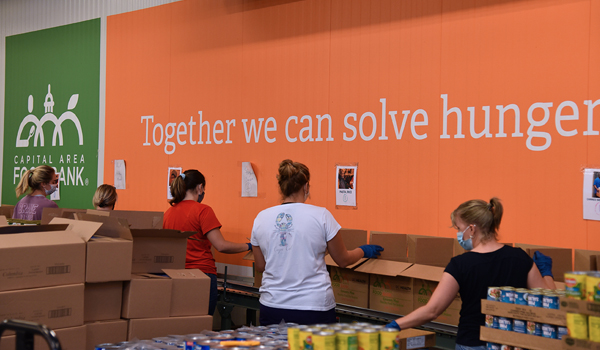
[535, 279]
[442, 296]
[259, 259]
[224, 246]
[342, 256]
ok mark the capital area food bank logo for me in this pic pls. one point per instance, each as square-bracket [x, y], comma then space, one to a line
[36, 131]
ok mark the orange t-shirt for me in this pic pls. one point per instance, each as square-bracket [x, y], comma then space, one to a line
[190, 215]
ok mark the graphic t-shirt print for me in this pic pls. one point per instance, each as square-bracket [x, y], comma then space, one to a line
[283, 231]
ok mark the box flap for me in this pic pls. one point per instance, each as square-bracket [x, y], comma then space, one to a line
[585, 260]
[32, 228]
[383, 267]
[562, 258]
[329, 262]
[181, 274]
[395, 245]
[353, 238]
[140, 219]
[111, 227]
[49, 238]
[163, 233]
[434, 251]
[98, 212]
[425, 272]
[249, 256]
[85, 229]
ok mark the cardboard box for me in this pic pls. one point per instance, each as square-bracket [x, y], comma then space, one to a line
[350, 287]
[3, 221]
[395, 245]
[413, 339]
[388, 292]
[190, 292]
[7, 210]
[155, 250]
[569, 343]
[524, 312]
[579, 306]
[113, 331]
[136, 219]
[73, 338]
[40, 259]
[109, 248]
[562, 258]
[586, 260]
[55, 307]
[148, 328]
[50, 213]
[425, 280]
[102, 301]
[353, 238]
[526, 341]
[146, 296]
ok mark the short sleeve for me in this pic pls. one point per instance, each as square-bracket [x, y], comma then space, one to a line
[453, 270]
[331, 226]
[253, 239]
[208, 220]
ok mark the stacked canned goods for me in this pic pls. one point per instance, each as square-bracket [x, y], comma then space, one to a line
[537, 297]
[285, 336]
[583, 285]
[268, 338]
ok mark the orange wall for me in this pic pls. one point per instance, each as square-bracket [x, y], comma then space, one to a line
[277, 59]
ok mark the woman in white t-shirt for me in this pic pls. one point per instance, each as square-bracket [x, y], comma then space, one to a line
[289, 243]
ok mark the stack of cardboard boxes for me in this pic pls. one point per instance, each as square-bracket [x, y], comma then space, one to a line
[96, 279]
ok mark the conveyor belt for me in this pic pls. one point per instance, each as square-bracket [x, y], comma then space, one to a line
[238, 294]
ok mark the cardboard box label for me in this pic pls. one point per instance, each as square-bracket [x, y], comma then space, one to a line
[350, 287]
[391, 294]
[415, 342]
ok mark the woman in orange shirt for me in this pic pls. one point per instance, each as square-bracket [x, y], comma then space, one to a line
[188, 214]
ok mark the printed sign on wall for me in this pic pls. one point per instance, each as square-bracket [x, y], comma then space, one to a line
[51, 109]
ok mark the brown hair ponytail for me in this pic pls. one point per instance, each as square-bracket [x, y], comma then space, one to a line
[184, 182]
[487, 216]
[292, 176]
[33, 179]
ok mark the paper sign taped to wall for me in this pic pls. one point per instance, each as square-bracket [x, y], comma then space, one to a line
[345, 186]
[249, 182]
[171, 176]
[120, 174]
[591, 194]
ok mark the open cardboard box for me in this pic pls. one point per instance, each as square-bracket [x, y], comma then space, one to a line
[425, 280]
[158, 249]
[562, 258]
[388, 292]
[40, 256]
[109, 246]
[180, 293]
[136, 219]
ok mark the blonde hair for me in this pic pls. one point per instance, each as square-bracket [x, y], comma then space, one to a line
[33, 179]
[292, 176]
[486, 216]
[105, 196]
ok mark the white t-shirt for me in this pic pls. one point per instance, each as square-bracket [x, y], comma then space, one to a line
[293, 239]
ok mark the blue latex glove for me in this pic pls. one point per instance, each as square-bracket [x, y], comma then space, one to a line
[543, 263]
[371, 250]
[249, 246]
[393, 324]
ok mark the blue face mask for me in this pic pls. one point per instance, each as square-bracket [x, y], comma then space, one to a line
[468, 244]
[200, 197]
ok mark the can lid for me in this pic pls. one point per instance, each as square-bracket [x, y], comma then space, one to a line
[507, 288]
[389, 330]
[368, 330]
[325, 333]
[347, 331]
